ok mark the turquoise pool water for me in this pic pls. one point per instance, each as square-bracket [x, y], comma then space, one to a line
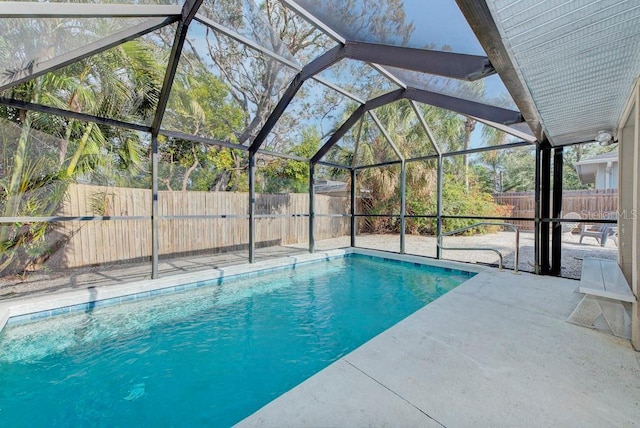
[206, 357]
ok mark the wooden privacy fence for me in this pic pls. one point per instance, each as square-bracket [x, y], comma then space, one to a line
[101, 242]
[590, 204]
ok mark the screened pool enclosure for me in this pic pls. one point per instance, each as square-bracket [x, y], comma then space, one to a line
[140, 132]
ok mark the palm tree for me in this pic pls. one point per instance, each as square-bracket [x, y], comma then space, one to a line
[383, 183]
[122, 83]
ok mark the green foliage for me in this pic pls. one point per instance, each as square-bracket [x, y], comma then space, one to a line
[286, 175]
[381, 197]
[473, 201]
[421, 206]
[515, 168]
[201, 105]
[485, 178]
[509, 170]
[520, 168]
[42, 154]
[467, 192]
[457, 200]
[30, 187]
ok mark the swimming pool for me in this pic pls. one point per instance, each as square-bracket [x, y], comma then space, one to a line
[208, 356]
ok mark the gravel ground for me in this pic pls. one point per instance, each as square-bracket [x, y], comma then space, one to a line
[572, 251]
[48, 281]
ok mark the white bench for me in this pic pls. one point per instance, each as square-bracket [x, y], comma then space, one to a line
[605, 288]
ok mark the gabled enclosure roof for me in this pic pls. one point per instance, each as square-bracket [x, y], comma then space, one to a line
[564, 67]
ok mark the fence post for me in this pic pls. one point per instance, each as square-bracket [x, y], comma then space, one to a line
[439, 206]
[403, 203]
[155, 246]
[353, 207]
[312, 213]
[252, 206]
[536, 224]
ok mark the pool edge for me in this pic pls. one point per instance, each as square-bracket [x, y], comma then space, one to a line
[41, 304]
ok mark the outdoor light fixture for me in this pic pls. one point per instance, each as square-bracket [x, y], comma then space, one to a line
[604, 138]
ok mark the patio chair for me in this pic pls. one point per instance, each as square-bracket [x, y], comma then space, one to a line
[601, 232]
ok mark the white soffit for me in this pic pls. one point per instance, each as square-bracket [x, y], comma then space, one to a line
[579, 59]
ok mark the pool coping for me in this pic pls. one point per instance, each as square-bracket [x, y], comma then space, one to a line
[41, 304]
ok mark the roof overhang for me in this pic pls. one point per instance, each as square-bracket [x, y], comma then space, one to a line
[478, 15]
[569, 67]
[587, 173]
[597, 161]
[587, 169]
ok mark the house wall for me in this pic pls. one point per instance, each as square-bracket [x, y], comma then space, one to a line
[629, 194]
[607, 180]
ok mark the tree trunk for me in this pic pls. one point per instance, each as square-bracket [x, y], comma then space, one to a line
[222, 182]
[185, 179]
[469, 126]
[64, 145]
[81, 146]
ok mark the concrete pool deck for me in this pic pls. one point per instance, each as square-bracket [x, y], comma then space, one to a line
[51, 280]
[495, 351]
